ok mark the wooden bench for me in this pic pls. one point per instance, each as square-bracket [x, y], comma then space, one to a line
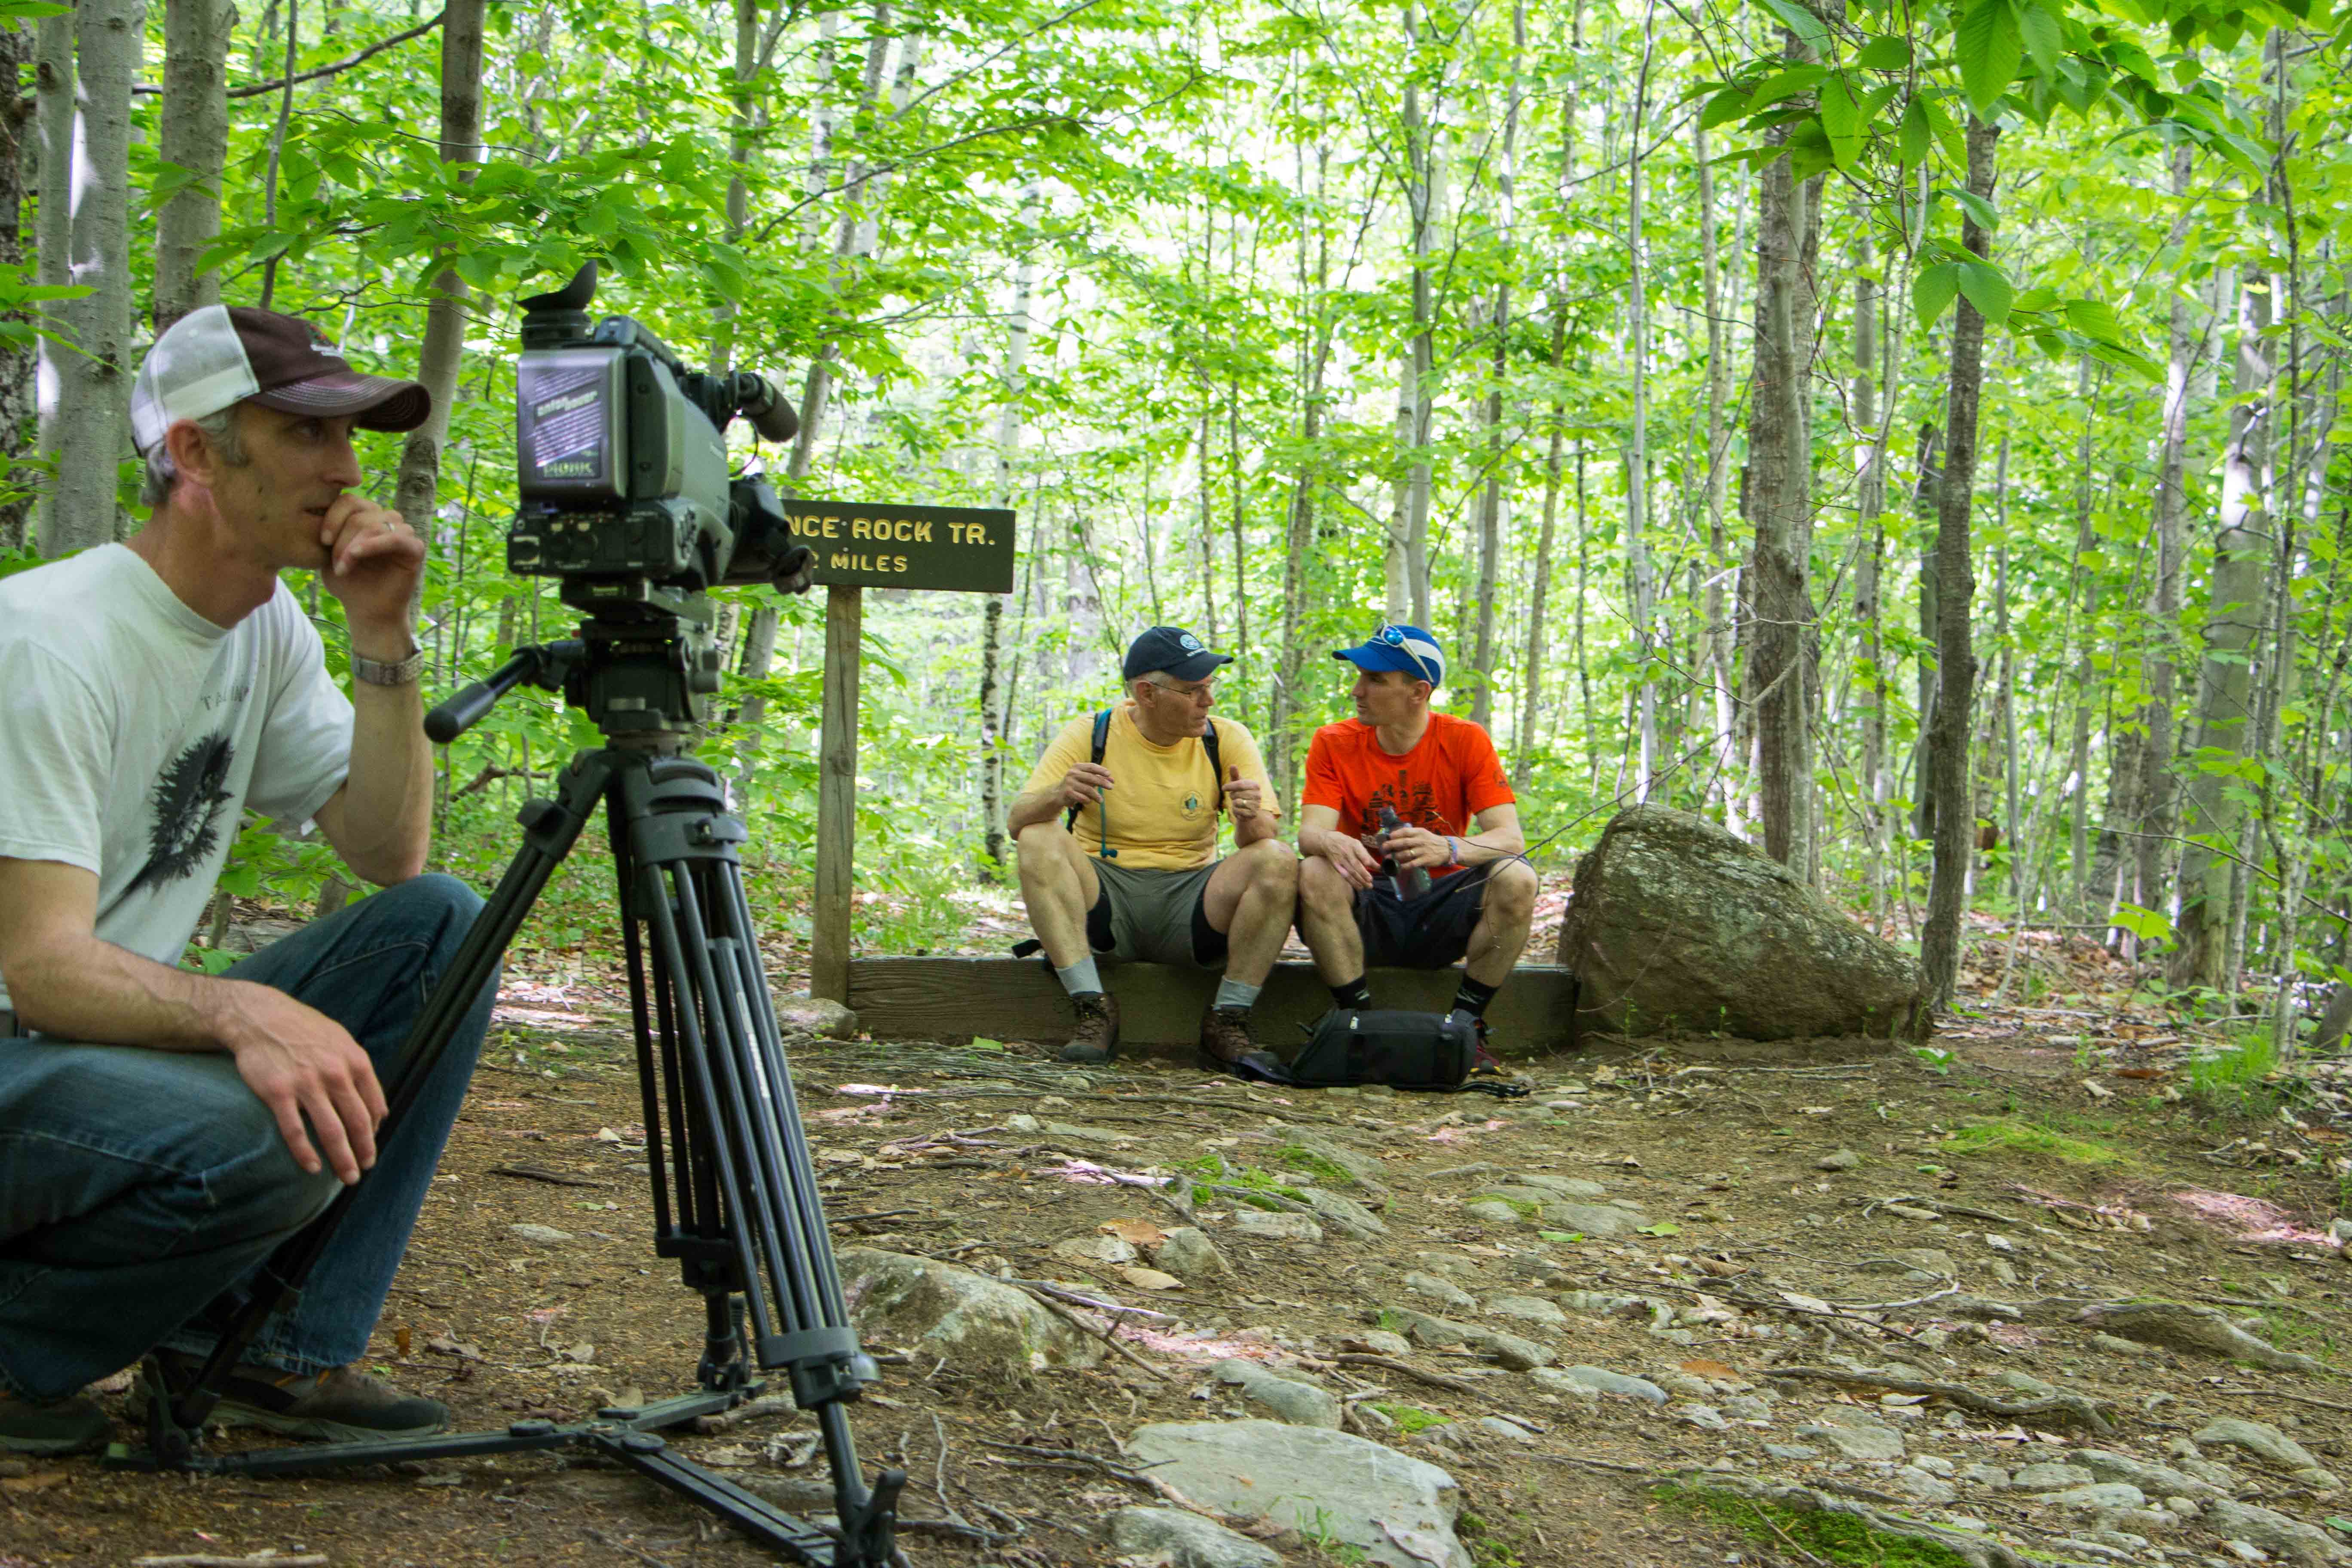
[1160, 1004]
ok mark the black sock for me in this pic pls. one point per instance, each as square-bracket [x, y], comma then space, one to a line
[1473, 997]
[1354, 993]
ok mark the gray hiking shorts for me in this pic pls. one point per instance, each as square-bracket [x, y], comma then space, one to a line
[1155, 916]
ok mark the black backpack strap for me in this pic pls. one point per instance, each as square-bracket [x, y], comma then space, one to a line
[1208, 744]
[1101, 741]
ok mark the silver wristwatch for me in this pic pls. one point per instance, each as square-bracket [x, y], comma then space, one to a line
[375, 672]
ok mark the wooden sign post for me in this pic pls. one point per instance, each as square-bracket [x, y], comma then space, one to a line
[965, 550]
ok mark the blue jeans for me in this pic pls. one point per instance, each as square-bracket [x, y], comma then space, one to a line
[137, 1186]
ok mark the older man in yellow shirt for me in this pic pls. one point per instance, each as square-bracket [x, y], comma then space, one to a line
[1118, 847]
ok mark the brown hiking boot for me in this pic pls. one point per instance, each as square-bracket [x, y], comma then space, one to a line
[1097, 1040]
[1225, 1037]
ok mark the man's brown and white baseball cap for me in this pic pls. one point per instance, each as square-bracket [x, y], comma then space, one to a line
[221, 354]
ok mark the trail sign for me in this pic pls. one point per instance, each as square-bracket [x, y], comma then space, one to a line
[960, 549]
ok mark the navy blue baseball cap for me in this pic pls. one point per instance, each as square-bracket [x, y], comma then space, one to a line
[1173, 650]
[1407, 650]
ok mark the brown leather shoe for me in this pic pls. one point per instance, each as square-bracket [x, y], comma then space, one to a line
[1225, 1037]
[1097, 1040]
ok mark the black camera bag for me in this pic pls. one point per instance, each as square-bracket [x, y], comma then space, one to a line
[1348, 1047]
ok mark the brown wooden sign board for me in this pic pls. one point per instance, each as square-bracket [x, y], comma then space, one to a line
[959, 549]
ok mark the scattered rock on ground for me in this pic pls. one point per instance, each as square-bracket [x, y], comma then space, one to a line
[542, 1235]
[1189, 1254]
[1396, 1510]
[2273, 1531]
[1171, 1538]
[2097, 1495]
[1260, 1224]
[1593, 1219]
[1600, 1380]
[2266, 1443]
[1838, 1160]
[815, 1015]
[1858, 1442]
[1299, 1404]
[1533, 1308]
[1444, 1292]
[985, 1327]
[1677, 925]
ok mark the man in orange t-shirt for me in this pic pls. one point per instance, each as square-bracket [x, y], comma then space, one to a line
[1457, 822]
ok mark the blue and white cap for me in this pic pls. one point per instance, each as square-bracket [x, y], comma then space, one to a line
[1406, 649]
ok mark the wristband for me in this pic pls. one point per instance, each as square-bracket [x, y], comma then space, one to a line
[1453, 850]
[376, 672]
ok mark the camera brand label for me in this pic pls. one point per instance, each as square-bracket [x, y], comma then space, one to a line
[955, 549]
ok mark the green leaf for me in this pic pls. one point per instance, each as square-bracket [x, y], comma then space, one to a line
[1991, 50]
[1801, 22]
[1664, 1227]
[1561, 1235]
[1933, 290]
[2093, 319]
[1728, 105]
[1785, 84]
[2146, 924]
[1884, 55]
[1918, 137]
[1986, 216]
[1841, 123]
[2038, 28]
[1987, 287]
[31, 10]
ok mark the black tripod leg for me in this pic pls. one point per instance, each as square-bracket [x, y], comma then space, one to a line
[551, 828]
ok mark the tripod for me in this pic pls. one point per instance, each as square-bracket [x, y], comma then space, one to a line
[734, 1196]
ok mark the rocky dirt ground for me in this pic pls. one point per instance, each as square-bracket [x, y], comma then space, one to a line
[1671, 1308]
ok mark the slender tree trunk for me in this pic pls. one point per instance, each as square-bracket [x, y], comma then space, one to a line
[1947, 751]
[418, 489]
[2085, 674]
[2156, 786]
[1776, 498]
[1315, 355]
[994, 716]
[93, 419]
[17, 404]
[1490, 511]
[194, 136]
[1715, 602]
[1637, 461]
[1870, 507]
[2237, 604]
[1424, 200]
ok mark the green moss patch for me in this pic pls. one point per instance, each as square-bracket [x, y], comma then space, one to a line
[1836, 1538]
[2007, 1135]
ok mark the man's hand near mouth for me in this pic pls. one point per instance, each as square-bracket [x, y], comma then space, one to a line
[375, 564]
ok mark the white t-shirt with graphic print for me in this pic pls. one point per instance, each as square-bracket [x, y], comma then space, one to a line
[133, 732]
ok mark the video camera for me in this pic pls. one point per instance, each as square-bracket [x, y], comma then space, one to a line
[626, 497]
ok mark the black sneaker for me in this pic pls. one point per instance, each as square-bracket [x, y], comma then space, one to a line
[70, 1426]
[1097, 1040]
[339, 1405]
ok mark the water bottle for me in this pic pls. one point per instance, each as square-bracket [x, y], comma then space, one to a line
[1411, 882]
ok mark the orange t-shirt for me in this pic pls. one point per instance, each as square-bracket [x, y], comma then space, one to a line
[1451, 776]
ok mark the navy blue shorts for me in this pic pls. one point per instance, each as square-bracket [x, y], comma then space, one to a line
[1431, 931]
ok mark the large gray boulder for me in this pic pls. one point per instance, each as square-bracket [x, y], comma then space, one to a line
[1677, 927]
[1394, 1509]
[986, 1328]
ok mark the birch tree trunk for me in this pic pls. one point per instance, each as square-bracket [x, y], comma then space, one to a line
[1714, 601]
[2155, 793]
[418, 488]
[53, 131]
[1421, 152]
[1869, 508]
[2237, 603]
[93, 401]
[1538, 589]
[1955, 659]
[194, 134]
[1490, 518]
[1299, 538]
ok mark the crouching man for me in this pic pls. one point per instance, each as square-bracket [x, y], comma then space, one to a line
[161, 1132]
[1458, 822]
[1117, 831]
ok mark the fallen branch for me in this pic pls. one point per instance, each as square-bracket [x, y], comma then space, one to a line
[541, 1173]
[1596, 1463]
[750, 1410]
[1088, 1328]
[2078, 1408]
[1435, 1379]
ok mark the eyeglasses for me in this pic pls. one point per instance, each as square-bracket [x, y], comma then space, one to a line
[1192, 692]
[1394, 637]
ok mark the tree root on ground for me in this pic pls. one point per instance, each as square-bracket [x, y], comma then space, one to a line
[2079, 1409]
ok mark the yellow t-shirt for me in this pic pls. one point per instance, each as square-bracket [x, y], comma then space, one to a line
[1162, 800]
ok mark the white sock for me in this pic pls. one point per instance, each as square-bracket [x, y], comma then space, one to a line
[1081, 977]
